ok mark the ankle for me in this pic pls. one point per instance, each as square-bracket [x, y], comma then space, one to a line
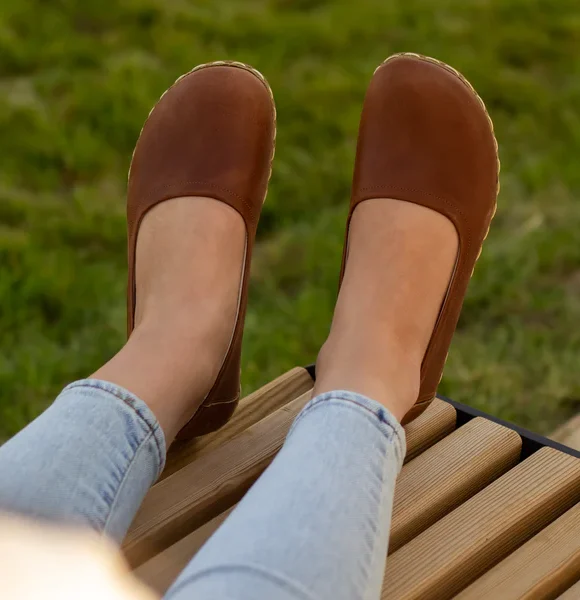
[381, 370]
[167, 367]
[189, 355]
[163, 319]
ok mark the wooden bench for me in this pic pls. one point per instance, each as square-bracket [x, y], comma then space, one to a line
[482, 509]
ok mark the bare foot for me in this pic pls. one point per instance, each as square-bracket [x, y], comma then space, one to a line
[190, 255]
[401, 257]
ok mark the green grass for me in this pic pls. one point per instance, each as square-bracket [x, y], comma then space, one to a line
[77, 79]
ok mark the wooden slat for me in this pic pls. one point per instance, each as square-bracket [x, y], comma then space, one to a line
[456, 550]
[434, 424]
[546, 565]
[572, 593]
[449, 473]
[542, 568]
[162, 570]
[212, 483]
[251, 409]
[204, 488]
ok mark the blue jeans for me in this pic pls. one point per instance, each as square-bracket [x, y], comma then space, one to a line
[315, 526]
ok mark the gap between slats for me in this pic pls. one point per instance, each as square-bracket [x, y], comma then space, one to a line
[449, 473]
[545, 566]
[207, 486]
[572, 593]
[428, 487]
[456, 550]
[251, 409]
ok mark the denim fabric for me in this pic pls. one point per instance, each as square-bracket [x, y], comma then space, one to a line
[315, 526]
[88, 459]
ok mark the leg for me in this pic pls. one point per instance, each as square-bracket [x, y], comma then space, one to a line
[89, 459]
[92, 456]
[316, 525]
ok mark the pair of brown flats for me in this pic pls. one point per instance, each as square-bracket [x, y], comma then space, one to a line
[425, 137]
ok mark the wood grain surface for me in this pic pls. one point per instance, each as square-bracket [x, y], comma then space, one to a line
[207, 486]
[449, 473]
[219, 476]
[456, 550]
[572, 593]
[162, 570]
[251, 409]
[544, 567]
[434, 424]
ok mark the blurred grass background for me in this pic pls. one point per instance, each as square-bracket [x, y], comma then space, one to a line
[77, 80]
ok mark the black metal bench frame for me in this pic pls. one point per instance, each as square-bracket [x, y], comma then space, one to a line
[531, 442]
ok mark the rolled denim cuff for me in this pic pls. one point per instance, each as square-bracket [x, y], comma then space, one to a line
[366, 408]
[135, 409]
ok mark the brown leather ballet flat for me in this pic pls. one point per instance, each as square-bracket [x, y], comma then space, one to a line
[426, 137]
[211, 134]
